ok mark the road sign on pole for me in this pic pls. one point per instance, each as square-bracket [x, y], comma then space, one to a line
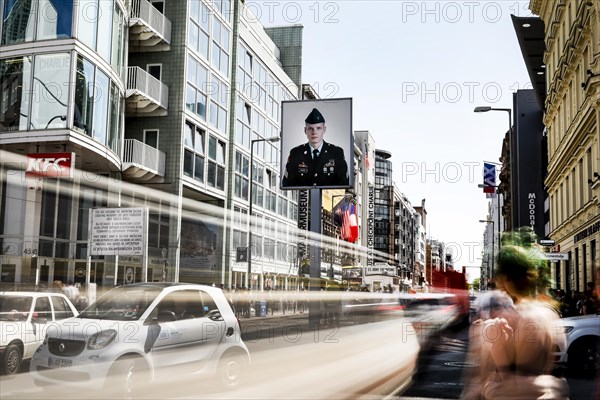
[555, 256]
[241, 254]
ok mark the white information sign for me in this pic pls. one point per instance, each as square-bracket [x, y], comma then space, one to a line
[380, 270]
[118, 231]
[555, 256]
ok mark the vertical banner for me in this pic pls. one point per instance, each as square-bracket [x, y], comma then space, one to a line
[371, 226]
[489, 178]
[303, 224]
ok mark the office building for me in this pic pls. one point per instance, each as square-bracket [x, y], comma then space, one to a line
[160, 102]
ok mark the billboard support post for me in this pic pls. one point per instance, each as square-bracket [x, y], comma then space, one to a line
[314, 311]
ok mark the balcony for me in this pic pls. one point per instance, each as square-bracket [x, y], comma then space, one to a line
[149, 29]
[142, 162]
[146, 95]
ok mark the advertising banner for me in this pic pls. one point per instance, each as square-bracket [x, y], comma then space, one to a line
[50, 165]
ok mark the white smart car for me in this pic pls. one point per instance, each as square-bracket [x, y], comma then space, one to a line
[134, 333]
[24, 319]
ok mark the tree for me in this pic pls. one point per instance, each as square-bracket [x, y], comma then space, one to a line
[475, 284]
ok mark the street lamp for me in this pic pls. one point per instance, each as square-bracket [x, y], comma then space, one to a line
[272, 140]
[335, 228]
[482, 109]
[62, 118]
[499, 212]
[487, 221]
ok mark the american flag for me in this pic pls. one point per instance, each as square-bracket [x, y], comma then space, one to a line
[367, 155]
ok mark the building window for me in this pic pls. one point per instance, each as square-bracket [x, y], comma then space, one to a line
[216, 163]
[53, 20]
[257, 184]
[242, 168]
[198, 28]
[224, 8]
[101, 108]
[193, 157]
[220, 47]
[15, 84]
[197, 77]
[242, 131]
[155, 70]
[218, 104]
[49, 105]
[151, 137]
[159, 5]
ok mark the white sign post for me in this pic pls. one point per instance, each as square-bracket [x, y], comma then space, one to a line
[118, 232]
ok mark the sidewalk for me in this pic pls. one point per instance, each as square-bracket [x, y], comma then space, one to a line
[274, 323]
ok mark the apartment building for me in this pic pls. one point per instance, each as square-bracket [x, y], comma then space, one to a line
[572, 120]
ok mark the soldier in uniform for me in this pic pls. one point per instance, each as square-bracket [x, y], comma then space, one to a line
[316, 163]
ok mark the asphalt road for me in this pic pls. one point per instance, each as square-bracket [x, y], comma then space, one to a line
[438, 375]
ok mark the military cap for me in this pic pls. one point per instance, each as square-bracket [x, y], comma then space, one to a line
[315, 117]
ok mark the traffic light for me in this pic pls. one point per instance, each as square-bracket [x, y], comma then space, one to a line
[241, 254]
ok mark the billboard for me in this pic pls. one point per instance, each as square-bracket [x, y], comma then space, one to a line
[317, 149]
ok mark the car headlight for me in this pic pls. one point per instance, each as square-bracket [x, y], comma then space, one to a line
[101, 339]
[568, 329]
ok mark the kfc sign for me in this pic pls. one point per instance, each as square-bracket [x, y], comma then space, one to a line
[50, 165]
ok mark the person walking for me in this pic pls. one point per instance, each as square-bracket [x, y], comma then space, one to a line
[514, 345]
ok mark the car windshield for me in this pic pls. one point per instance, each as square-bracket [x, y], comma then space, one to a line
[121, 304]
[14, 308]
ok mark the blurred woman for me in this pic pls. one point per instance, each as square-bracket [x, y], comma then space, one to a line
[513, 347]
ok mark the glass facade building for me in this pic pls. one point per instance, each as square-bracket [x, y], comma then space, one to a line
[158, 116]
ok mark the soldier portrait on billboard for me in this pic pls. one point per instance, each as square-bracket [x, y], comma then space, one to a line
[316, 162]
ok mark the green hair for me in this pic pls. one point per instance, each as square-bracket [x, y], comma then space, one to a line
[520, 262]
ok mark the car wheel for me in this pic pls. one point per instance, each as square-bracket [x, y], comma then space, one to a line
[128, 375]
[231, 370]
[584, 356]
[11, 364]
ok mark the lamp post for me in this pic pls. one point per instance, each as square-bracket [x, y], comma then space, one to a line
[487, 221]
[499, 212]
[62, 118]
[482, 109]
[272, 140]
[335, 228]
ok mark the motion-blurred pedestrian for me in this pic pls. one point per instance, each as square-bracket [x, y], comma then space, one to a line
[513, 346]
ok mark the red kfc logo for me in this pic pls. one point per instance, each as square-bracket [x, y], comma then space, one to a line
[50, 165]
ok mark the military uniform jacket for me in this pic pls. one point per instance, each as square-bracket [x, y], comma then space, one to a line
[330, 168]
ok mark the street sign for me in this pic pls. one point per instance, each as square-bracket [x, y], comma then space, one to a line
[555, 256]
[241, 254]
[546, 242]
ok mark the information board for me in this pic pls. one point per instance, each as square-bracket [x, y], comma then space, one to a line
[118, 231]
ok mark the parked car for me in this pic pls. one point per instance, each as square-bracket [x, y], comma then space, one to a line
[24, 320]
[133, 333]
[581, 352]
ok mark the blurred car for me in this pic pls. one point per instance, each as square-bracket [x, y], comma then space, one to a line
[133, 333]
[581, 352]
[24, 319]
[431, 313]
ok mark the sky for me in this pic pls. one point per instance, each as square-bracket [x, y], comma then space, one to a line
[415, 71]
